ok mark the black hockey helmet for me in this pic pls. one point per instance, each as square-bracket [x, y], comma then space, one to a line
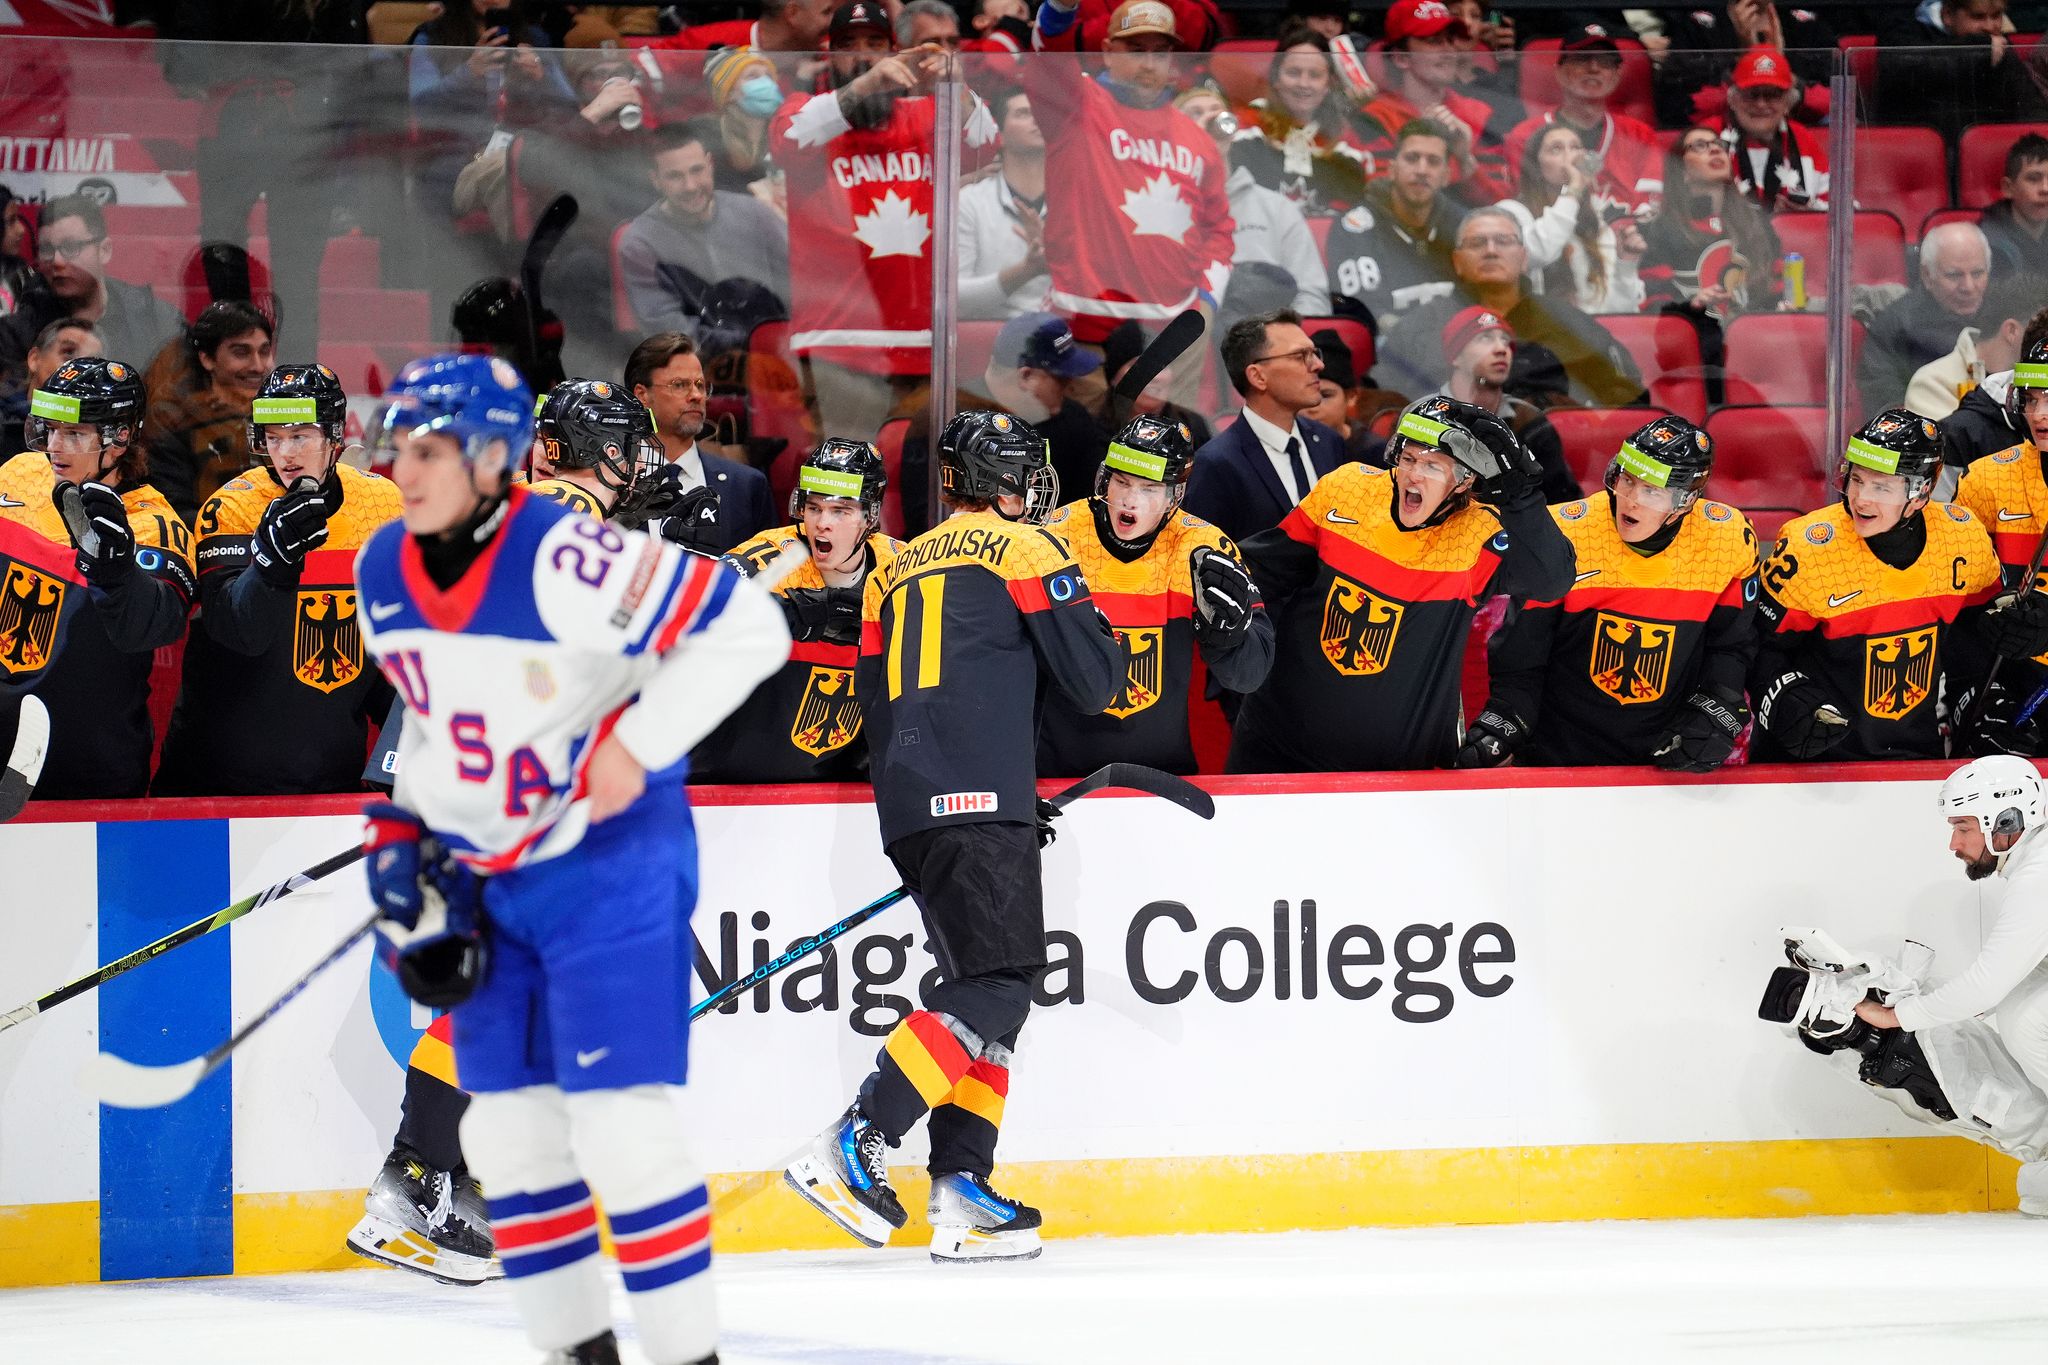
[1896, 441]
[1447, 425]
[88, 391]
[1666, 452]
[987, 455]
[1149, 448]
[597, 425]
[299, 395]
[839, 468]
[2030, 371]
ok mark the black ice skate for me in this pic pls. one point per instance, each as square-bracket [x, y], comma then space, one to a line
[972, 1223]
[433, 1222]
[599, 1350]
[845, 1176]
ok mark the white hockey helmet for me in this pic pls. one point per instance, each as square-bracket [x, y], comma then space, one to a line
[2003, 793]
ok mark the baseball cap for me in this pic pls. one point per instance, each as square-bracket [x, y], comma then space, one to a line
[860, 14]
[1423, 19]
[1040, 341]
[1588, 38]
[1134, 17]
[1765, 66]
[1336, 357]
[1468, 323]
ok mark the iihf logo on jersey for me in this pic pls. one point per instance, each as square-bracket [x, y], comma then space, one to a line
[327, 650]
[1631, 659]
[1358, 628]
[1898, 672]
[1143, 652]
[30, 605]
[963, 803]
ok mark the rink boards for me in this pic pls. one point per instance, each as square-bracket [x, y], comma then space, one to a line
[1366, 1000]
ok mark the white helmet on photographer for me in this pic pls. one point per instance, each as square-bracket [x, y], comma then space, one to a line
[2003, 793]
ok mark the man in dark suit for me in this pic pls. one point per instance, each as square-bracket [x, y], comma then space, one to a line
[664, 373]
[1248, 476]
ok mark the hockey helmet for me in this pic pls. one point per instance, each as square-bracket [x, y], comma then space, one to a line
[839, 468]
[2003, 793]
[1457, 429]
[988, 455]
[1668, 453]
[1149, 448]
[2030, 371]
[1900, 442]
[475, 399]
[88, 391]
[299, 395]
[597, 425]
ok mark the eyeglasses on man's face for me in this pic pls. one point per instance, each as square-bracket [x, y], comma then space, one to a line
[1304, 355]
[1499, 241]
[47, 250]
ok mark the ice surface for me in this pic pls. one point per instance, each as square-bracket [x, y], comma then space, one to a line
[1962, 1286]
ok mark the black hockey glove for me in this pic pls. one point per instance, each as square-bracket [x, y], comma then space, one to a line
[1797, 712]
[1509, 474]
[1702, 734]
[1996, 729]
[293, 526]
[689, 519]
[1223, 597]
[98, 522]
[829, 614]
[2017, 626]
[1047, 813]
[1491, 739]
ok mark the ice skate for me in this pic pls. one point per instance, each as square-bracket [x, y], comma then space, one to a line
[845, 1177]
[971, 1223]
[421, 1219]
[599, 1350]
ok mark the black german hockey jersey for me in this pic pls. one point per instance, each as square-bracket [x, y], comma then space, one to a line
[1150, 604]
[2007, 493]
[95, 646]
[1877, 638]
[276, 700]
[1372, 620]
[803, 723]
[571, 496]
[1600, 676]
[955, 633]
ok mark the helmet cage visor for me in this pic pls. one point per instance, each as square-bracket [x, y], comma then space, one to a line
[1657, 484]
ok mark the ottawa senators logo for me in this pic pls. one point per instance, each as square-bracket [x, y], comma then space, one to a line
[827, 716]
[30, 605]
[1144, 648]
[1898, 672]
[1631, 659]
[1359, 629]
[327, 651]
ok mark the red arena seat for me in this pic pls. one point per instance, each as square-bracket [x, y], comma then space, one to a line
[1980, 160]
[1783, 358]
[1769, 459]
[1880, 242]
[1357, 338]
[1902, 170]
[1667, 351]
[1590, 437]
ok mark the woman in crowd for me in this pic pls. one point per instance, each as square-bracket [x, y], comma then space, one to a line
[745, 94]
[465, 80]
[201, 391]
[1573, 253]
[1304, 144]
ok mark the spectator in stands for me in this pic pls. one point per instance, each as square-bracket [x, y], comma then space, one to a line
[1707, 44]
[1986, 349]
[745, 94]
[1479, 348]
[1574, 253]
[1423, 40]
[1031, 373]
[1393, 252]
[1329, 18]
[465, 81]
[784, 26]
[1622, 149]
[200, 396]
[999, 26]
[1335, 383]
[1197, 25]
[1950, 63]
[664, 373]
[1955, 268]
[1984, 422]
[1248, 476]
[1119, 350]
[1778, 163]
[73, 252]
[2017, 225]
[928, 21]
[17, 250]
[1561, 355]
[55, 344]
[1000, 222]
[694, 236]
[1488, 69]
[1302, 141]
[1709, 251]
[1269, 228]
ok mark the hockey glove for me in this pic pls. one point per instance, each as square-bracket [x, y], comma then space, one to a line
[430, 927]
[1047, 813]
[1996, 729]
[1799, 715]
[1702, 735]
[293, 526]
[2017, 625]
[1491, 739]
[1223, 596]
[829, 614]
[98, 522]
[1509, 474]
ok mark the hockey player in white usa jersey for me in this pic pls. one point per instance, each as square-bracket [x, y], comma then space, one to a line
[538, 869]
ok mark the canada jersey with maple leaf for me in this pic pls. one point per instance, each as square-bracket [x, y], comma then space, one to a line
[860, 225]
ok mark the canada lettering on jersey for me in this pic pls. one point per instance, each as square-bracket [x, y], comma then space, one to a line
[871, 167]
[1157, 152]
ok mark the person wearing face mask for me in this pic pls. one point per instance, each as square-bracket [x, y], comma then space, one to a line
[1644, 659]
[745, 93]
[199, 400]
[1171, 584]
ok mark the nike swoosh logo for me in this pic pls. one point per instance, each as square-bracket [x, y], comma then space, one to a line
[592, 1058]
[2003, 515]
[384, 611]
[6, 501]
[1341, 521]
[1580, 578]
[1835, 601]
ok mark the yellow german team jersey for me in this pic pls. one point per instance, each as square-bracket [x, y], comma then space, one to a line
[2007, 493]
[571, 496]
[27, 484]
[802, 723]
[1873, 635]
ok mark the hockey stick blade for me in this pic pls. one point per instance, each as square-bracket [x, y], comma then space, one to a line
[25, 763]
[1139, 778]
[71, 507]
[548, 230]
[1173, 341]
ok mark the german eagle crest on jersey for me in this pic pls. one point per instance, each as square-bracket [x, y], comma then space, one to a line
[1898, 672]
[1359, 627]
[1631, 659]
[1144, 653]
[827, 715]
[30, 605]
[327, 651]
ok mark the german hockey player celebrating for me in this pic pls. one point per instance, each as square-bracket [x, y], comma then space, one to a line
[1869, 601]
[555, 672]
[802, 724]
[956, 633]
[276, 700]
[1375, 579]
[1645, 659]
[1170, 584]
[593, 444]
[78, 625]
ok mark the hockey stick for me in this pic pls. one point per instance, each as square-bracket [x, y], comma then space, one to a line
[548, 231]
[1172, 342]
[25, 762]
[1983, 697]
[128, 1085]
[178, 937]
[1135, 776]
